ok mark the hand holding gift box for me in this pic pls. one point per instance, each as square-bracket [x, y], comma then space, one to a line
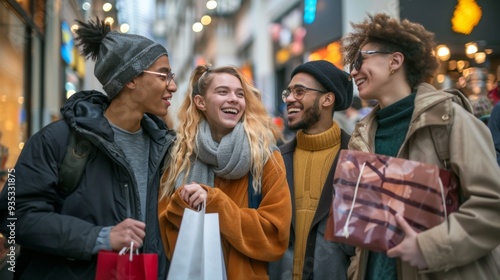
[371, 189]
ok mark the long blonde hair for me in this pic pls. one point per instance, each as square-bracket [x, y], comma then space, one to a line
[278, 133]
[256, 122]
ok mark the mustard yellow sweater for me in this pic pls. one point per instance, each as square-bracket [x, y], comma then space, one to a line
[313, 159]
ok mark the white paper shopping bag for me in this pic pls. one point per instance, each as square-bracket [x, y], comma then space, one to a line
[214, 267]
[198, 251]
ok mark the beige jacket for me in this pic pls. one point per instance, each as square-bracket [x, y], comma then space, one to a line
[461, 247]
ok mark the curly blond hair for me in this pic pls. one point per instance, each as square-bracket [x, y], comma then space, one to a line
[394, 35]
[257, 124]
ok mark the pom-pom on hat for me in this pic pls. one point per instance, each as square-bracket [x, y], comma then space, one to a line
[119, 57]
[332, 79]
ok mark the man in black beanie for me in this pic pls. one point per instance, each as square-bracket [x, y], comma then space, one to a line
[61, 221]
[317, 89]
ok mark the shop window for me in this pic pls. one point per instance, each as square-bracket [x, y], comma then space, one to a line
[13, 117]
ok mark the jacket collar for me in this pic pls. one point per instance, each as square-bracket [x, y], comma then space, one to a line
[83, 112]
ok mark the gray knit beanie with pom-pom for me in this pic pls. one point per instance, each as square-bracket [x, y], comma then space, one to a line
[119, 57]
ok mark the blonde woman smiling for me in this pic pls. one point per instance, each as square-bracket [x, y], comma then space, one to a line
[225, 136]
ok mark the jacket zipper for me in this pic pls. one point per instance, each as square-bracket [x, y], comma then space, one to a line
[407, 137]
[127, 200]
[161, 155]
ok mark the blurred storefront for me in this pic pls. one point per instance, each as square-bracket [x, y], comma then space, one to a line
[469, 48]
[309, 31]
[37, 54]
[72, 70]
[21, 39]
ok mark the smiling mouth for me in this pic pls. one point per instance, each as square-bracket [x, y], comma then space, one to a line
[292, 111]
[360, 81]
[230, 111]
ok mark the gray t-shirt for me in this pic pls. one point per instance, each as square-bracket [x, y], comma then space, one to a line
[135, 146]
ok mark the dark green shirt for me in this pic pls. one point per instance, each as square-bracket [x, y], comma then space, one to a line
[393, 123]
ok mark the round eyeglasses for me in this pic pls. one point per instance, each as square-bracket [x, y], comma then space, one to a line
[358, 59]
[298, 92]
[169, 76]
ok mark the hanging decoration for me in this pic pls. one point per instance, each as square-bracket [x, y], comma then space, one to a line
[466, 16]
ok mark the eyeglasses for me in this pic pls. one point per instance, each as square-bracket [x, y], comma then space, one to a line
[358, 60]
[298, 92]
[169, 76]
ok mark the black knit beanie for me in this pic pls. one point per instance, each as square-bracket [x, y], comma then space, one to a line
[332, 79]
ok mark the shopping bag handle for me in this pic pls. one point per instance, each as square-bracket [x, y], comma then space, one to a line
[345, 232]
[131, 248]
[443, 198]
[202, 206]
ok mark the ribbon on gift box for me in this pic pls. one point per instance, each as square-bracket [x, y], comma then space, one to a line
[370, 189]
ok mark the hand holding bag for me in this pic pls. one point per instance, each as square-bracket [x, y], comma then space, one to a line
[371, 189]
[198, 250]
[121, 266]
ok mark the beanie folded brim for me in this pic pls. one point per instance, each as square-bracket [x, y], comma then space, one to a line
[332, 79]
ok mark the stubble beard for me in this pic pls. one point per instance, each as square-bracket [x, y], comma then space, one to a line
[310, 118]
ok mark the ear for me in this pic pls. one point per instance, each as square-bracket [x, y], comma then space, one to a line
[397, 61]
[132, 84]
[328, 99]
[199, 102]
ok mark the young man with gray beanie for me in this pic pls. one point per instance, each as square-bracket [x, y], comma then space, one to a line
[114, 204]
[317, 89]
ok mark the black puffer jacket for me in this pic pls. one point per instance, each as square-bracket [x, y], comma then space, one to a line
[56, 235]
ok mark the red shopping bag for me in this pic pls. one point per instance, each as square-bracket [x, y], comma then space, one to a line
[121, 266]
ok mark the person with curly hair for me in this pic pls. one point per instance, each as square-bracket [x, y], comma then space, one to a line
[225, 138]
[114, 204]
[392, 61]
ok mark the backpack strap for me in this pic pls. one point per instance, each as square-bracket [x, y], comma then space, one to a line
[74, 162]
[441, 133]
[254, 199]
[440, 136]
